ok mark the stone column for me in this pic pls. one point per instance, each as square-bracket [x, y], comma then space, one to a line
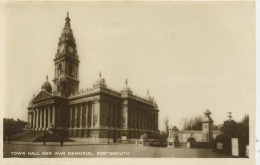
[149, 120]
[92, 114]
[31, 123]
[76, 109]
[97, 105]
[44, 118]
[33, 119]
[53, 115]
[49, 116]
[36, 119]
[86, 115]
[71, 117]
[40, 114]
[29, 118]
[81, 115]
[39, 119]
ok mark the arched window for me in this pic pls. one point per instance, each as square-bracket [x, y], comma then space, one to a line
[59, 69]
[58, 88]
[72, 70]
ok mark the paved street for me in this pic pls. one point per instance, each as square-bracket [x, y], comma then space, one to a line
[113, 150]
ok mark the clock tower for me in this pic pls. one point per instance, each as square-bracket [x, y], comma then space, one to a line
[66, 63]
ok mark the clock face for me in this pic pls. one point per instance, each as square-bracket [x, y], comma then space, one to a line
[71, 49]
[61, 49]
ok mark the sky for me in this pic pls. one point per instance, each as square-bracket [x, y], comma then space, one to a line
[190, 56]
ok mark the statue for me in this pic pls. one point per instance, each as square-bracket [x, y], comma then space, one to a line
[143, 136]
[51, 127]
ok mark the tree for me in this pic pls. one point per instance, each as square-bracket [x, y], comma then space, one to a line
[240, 130]
[243, 129]
[234, 129]
[229, 128]
[184, 123]
[166, 124]
[192, 123]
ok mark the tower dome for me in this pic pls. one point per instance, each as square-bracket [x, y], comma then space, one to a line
[100, 82]
[126, 89]
[47, 86]
[66, 31]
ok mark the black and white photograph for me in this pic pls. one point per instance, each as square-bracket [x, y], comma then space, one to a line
[128, 79]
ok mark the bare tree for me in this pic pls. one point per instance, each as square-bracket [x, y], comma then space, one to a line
[192, 124]
[184, 123]
[166, 124]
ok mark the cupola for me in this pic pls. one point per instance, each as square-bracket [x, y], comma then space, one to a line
[47, 86]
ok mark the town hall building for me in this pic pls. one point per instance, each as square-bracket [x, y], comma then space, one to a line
[98, 112]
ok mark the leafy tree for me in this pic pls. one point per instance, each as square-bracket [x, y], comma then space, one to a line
[229, 128]
[243, 129]
[233, 129]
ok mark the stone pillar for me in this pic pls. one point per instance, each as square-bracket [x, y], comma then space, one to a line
[49, 116]
[44, 118]
[124, 115]
[76, 109]
[33, 126]
[97, 105]
[53, 115]
[39, 119]
[81, 115]
[71, 117]
[36, 119]
[29, 118]
[92, 114]
[207, 133]
[86, 115]
[31, 123]
[40, 114]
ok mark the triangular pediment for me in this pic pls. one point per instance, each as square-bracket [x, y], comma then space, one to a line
[43, 95]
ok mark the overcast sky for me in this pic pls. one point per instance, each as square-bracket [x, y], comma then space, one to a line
[191, 56]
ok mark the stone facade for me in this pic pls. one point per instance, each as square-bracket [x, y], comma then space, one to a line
[97, 112]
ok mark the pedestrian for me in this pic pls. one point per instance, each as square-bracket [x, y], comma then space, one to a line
[44, 138]
[61, 141]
